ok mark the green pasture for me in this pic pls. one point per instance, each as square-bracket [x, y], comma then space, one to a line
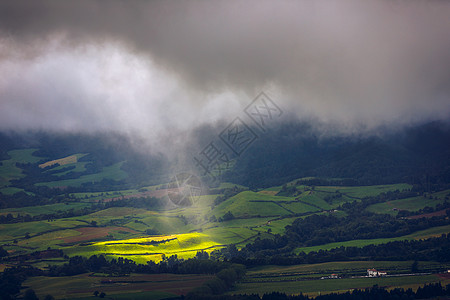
[299, 207]
[364, 191]
[164, 224]
[316, 199]
[79, 167]
[12, 190]
[249, 203]
[9, 232]
[43, 209]
[276, 226]
[51, 239]
[134, 286]
[229, 235]
[150, 295]
[410, 204]
[8, 168]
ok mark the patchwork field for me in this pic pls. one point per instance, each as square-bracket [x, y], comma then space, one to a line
[247, 203]
[342, 268]
[256, 214]
[317, 287]
[409, 204]
[152, 233]
[135, 286]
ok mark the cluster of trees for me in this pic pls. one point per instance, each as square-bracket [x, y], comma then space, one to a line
[22, 199]
[49, 253]
[316, 181]
[11, 280]
[34, 174]
[223, 280]
[9, 218]
[122, 266]
[227, 217]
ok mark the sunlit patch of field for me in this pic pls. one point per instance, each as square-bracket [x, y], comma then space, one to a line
[153, 248]
[62, 161]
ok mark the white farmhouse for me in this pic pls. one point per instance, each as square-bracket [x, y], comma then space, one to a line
[375, 273]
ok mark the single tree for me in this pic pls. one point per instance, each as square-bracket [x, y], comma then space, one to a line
[30, 295]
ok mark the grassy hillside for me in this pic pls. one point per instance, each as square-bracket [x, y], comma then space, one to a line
[409, 204]
[113, 172]
[248, 204]
[8, 169]
[432, 232]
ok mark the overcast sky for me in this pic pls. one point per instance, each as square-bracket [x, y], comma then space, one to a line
[150, 67]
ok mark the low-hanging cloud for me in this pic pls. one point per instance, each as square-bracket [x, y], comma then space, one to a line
[152, 67]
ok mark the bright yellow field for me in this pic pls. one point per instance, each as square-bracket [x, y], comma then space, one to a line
[152, 248]
[62, 161]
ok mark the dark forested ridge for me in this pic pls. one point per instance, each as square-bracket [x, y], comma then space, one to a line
[292, 151]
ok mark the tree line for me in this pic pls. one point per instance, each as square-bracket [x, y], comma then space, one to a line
[426, 291]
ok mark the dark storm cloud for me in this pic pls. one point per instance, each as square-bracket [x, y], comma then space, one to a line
[350, 62]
